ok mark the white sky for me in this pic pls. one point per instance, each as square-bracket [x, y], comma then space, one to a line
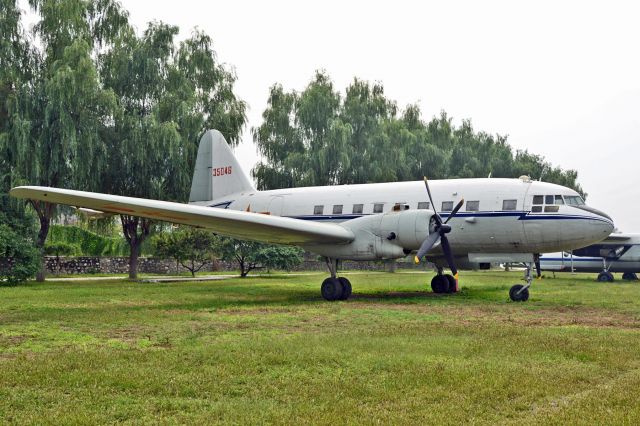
[562, 79]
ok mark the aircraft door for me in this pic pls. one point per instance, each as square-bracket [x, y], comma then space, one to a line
[275, 206]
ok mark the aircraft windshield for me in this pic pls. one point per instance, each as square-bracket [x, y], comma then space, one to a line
[574, 200]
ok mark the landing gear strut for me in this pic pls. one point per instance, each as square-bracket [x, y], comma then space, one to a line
[444, 283]
[605, 276]
[519, 292]
[334, 287]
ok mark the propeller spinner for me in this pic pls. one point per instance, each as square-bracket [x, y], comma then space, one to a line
[440, 231]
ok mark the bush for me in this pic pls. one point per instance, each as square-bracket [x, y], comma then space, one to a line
[61, 249]
[92, 244]
[19, 259]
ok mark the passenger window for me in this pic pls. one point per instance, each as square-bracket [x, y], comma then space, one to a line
[509, 204]
[538, 199]
[548, 199]
[337, 209]
[551, 209]
[398, 207]
[447, 206]
[377, 208]
[559, 200]
[536, 209]
[423, 205]
[318, 209]
[473, 206]
[357, 209]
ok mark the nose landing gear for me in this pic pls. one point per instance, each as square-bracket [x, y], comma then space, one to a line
[519, 292]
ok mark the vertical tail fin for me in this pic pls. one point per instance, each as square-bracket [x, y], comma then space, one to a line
[217, 172]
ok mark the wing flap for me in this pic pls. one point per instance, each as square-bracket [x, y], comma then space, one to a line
[232, 223]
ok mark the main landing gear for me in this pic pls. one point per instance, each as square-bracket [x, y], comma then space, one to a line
[444, 283]
[334, 287]
[519, 292]
[605, 276]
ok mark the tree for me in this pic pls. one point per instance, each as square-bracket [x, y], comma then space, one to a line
[167, 98]
[318, 138]
[252, 255]
[61, 108]
[191, 247]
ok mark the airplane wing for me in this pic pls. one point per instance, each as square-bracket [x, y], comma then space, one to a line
[232, 223]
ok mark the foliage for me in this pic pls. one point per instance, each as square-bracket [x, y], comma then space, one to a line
[191, 247]
[279, 257]
[168, 95]
[90, 243]
[252, 255]
[19, 260]
[317, 138]
[61, 249]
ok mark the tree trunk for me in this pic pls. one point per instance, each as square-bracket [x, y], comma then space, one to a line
[135, 239]
[45, 211]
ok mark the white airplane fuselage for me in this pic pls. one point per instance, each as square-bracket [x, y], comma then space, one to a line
[499, 215]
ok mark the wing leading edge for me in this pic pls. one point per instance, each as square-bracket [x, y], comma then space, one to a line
[232, 223]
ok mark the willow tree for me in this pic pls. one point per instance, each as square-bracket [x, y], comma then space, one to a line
[168, 95]
[63, 108]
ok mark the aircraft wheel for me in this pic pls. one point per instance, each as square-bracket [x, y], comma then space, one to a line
[630, 276]
[523, 296]
[452, 284]
[331, 289]
[346, 288]
[440, 284]
[605, 277]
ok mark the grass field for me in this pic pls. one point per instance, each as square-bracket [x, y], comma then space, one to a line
[270, 350]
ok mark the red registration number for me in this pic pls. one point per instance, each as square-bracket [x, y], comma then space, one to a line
[221, 171]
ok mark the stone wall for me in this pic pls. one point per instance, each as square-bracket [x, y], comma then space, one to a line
[153, 265]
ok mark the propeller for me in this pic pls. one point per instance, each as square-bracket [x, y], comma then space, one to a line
[440, 231]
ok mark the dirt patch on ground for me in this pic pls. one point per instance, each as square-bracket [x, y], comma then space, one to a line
[520, 315]
[9, 341]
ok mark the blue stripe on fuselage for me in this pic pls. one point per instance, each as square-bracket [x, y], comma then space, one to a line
[521, 215]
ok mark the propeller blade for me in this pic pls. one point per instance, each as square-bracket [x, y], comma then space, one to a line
[433, 206]
[446, 248]
[455, 210]
[429, 242]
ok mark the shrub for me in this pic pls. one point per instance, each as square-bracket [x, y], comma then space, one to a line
[19, 259]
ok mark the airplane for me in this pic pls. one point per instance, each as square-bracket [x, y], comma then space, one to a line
[617, 253]
[503, 220]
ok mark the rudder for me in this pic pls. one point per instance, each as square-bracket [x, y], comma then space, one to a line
[217, 172]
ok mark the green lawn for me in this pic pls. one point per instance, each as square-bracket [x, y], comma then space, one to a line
[270, 350]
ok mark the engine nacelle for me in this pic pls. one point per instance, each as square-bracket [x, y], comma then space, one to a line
[382, 236]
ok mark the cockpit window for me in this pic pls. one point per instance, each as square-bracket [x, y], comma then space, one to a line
[574, 200]
[538, 199]
[559, 200]
[548, 199]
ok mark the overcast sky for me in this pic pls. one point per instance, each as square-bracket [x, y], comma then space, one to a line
[562, 79]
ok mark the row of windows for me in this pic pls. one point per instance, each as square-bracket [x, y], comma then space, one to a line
[548, 203]
[447, 206]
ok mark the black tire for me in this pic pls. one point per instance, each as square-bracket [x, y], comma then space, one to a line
[518, 296]
[346, 288]
[439, 284]
[452, 283]
[605, 277]
[630, 276]
[331, 289]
